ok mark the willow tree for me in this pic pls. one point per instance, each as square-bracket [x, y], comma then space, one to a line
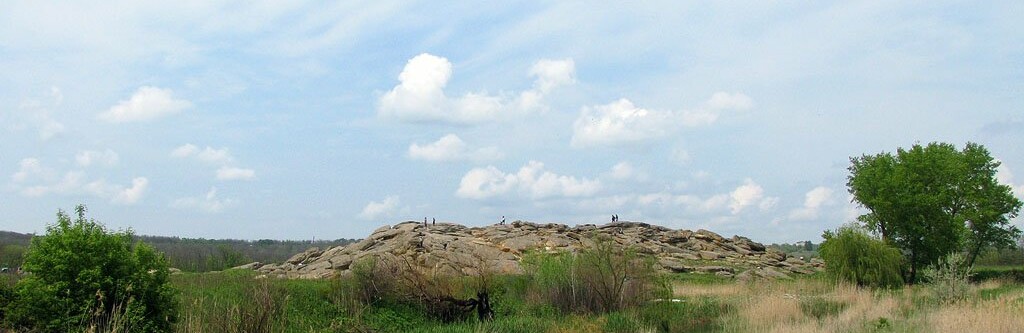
[932, 200]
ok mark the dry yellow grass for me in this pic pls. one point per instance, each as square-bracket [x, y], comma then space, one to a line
[775, 306]
[764, 313]
[995, 316]
[681, 289]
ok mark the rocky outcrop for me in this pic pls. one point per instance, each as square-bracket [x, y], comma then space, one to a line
[448, 248]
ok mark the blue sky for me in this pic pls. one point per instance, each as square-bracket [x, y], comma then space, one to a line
[299, 119]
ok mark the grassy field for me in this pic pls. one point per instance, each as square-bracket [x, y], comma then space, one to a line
[238, 301]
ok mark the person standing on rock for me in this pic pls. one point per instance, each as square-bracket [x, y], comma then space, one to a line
[424, 221]
[502, 220]
[433, 221]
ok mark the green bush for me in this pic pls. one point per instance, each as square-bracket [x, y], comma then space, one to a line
[852, 255]
[82, 277]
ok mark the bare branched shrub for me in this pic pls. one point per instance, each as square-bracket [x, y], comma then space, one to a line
[395, 280]
[601, 279]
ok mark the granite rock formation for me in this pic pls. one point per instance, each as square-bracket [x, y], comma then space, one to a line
[447, 248]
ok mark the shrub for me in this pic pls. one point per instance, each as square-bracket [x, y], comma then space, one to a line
[600, 279]
[81, 275]
[949, 278]
[386, 281]
[852, 255]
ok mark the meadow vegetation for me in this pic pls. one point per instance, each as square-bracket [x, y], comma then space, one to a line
[241, 301]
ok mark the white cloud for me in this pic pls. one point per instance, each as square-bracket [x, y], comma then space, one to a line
[147, 103]
[1004, 176]
[233, 173]
[680, 156]
[70, 183]
[748, 194]
[209, 154]
[185, 150]
[621, 122]
[618, 122]
[386, 208]
[531, 181]
[622, 171]
[221, 157]
[729, 101]
[813, 201]
[86, 158]
[45, 182]
[451, 148]
[27, 168]
[37, 114]
[420, 95]
[209, 202]
[131, 195]
[551, 74]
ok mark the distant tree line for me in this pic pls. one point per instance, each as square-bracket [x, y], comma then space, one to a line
[190, 254]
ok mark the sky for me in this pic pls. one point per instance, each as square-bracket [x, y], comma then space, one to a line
[307, 119]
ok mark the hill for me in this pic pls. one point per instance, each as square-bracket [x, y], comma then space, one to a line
[448, 248]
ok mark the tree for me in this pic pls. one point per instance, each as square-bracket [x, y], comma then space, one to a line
[932, 200]
[84, 277]
[852, 255]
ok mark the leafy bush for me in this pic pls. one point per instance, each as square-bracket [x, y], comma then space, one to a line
[949, 278]
[84, 277]
[852, 255]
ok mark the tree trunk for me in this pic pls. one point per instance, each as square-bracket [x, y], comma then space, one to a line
[974, 253]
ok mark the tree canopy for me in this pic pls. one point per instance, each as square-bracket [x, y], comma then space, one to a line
[932, 200]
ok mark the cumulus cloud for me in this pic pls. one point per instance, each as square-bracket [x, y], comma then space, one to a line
[723, 205]
[813, 201]
[35, 180]
[27, 168]
[420, 95]
[385, 208]
[748, 194]
[624, 170]
[232, 173]
[531, 181]
[37, 114]
[451, 148]
[1004, 176]
[208, 154]
[131, 195]
[86, 158]
[622, 122]
[220, 157]
[147, 103]
[208, 202]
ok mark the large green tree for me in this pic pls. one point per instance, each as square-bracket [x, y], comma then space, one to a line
[932, 200]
